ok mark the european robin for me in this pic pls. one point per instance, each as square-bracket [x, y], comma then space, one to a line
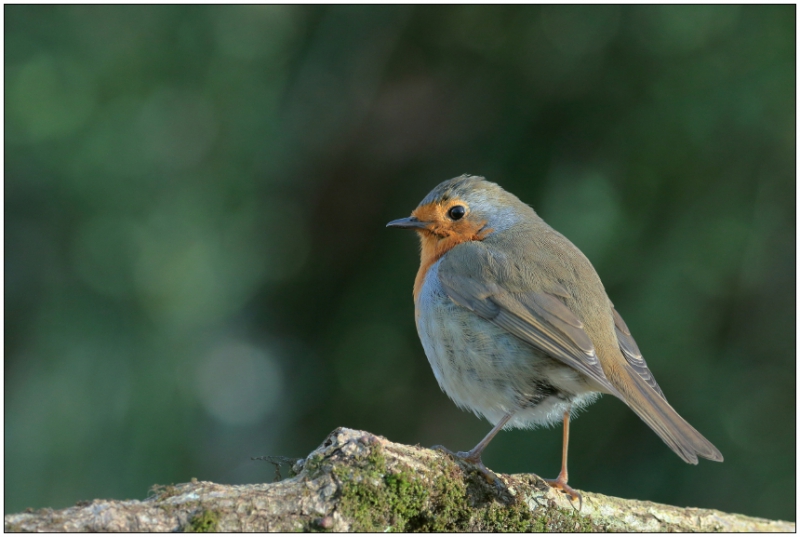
[517, 326]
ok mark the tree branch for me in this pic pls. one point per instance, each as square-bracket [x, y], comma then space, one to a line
[356, 481]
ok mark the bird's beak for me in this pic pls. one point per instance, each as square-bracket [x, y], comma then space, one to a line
[408, 223]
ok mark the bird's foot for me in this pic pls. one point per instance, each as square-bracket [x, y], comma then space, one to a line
[466, 456]
[475, 460]
[561, 483]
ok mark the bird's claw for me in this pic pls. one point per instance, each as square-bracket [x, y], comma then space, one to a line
[489, 476]
[446, 451]
[470, 458]
[559, 483]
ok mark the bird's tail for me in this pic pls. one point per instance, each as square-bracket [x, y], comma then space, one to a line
[666, 422]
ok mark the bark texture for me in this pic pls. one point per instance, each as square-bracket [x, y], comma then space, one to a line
[356, 481]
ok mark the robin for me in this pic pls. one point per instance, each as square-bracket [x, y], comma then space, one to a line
[517, 326]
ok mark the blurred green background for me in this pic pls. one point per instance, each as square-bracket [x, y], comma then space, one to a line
[197, 270]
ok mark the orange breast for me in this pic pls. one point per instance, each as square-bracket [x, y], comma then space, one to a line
[434, 246]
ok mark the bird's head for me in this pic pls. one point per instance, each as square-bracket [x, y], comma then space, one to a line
[462, 209]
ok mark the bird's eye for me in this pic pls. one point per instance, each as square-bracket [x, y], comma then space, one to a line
[456, 212]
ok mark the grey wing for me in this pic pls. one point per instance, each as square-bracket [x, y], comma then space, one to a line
[539, 319]
[630, 350]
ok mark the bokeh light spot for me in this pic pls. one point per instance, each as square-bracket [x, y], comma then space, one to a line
[248, 32]
[238, 383]
[51, 97]
[190, 272]
[669, 29]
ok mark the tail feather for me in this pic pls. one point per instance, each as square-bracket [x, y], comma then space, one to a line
[666, 422]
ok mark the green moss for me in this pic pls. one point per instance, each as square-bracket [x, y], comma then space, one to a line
[313, 464]
[376, 498]
[515, 517]
[370, 495]
[204, 522]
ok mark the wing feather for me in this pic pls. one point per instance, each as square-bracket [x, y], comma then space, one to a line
[539, 319]
[630, 350]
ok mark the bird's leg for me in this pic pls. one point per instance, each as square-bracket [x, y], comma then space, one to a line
[561, 481]
[473, 456]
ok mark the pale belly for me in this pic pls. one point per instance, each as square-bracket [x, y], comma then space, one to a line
[490, 372]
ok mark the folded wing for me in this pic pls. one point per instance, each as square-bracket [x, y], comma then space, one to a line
[539, 319]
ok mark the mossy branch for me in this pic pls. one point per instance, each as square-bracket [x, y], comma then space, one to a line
[356, 481]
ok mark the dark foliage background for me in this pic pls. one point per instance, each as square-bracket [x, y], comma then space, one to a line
[197, 269]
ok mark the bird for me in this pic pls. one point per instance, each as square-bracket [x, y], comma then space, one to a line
[517, 325]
